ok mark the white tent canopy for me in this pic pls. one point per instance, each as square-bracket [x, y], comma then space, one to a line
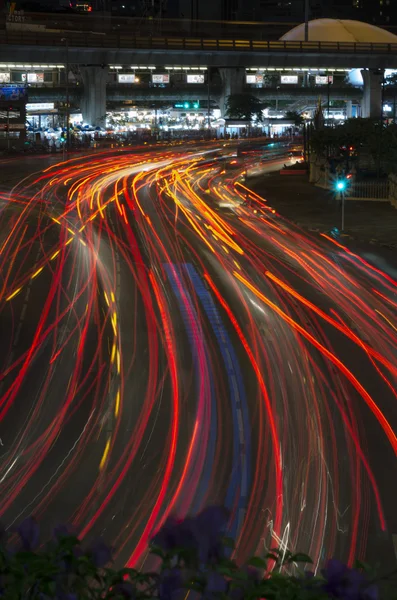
[340, 30]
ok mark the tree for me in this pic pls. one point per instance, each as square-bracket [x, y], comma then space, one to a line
[318, 120]
[294, 116]
[244, 106]
[370, 141]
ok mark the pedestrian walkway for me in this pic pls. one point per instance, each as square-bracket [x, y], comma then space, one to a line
[314, 208]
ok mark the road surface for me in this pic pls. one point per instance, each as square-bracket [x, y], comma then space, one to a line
[170, 342]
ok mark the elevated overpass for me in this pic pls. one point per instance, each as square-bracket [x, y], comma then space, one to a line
[91, 46]
[119, 94]
[95, 48]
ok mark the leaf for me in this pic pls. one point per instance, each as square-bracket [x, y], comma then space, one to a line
[363, 566]
[300, 557]
[272, 556]
[157, 551]
[240, 575]
[225, 571]
[258, 562]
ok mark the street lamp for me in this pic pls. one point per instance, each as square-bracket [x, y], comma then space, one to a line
[209, 100]
[341, 188]
[67, 93]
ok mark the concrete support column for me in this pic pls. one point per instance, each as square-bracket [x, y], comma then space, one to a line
[232, 83]
[93, 104]
[372, 97]
[349, 109]
[22, 135]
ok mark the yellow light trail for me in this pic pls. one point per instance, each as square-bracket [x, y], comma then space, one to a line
[13, 294]
[105, 455]
[117, 405]
[37, 272]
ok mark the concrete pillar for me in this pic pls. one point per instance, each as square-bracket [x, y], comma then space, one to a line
[93, 103]
[349, 109]
[232, 83]
[372, 97]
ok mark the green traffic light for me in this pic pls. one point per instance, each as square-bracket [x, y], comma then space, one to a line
[341, 185]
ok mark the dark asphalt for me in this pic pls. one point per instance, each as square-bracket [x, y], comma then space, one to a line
[180, 304]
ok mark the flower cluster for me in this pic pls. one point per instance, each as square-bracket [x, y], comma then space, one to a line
[194, 557]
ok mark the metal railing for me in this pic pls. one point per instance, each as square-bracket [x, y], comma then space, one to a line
[369, 190]
[123, 40]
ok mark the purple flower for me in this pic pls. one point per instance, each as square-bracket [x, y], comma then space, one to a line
[347, 584]
[216, 584]
[170, 584]
[61, 531]
[210, 527]
[100, 553]
[125, 589]
[202, 533]
[254, 578]
[175, 534]
[29, 533]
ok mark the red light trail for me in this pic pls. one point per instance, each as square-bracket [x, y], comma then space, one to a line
[170, 342]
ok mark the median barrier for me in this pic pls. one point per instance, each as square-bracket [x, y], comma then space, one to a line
[293, 172]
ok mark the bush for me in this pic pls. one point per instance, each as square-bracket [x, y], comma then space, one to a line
[194, 557]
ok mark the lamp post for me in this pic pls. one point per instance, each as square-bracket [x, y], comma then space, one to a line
[341, 187]
[8, 128]
[67, 93]
[209, 101]
[306, 20]
[328, 98]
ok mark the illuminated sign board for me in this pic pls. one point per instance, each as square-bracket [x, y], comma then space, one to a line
[35, 77]
[254, 78]
[195, 78]
[160, 78]
[187, 105]
[324, 79]
[125, 78]
[289, 79]
[32, 106]
[12, 92]
[5, 78]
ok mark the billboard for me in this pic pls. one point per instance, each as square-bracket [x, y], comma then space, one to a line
[125, 78]
[254, 78]
[35, 77]
[289, 79]
[12, 92]
[324, 79]
[32, 106]
[5, 77]
[160, 78]
[195, 78]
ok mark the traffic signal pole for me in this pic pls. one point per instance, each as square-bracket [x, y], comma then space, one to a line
[67, 97]
[67, 93]
[343, 211]
[341, 187]
[8, 128]
[209, 101]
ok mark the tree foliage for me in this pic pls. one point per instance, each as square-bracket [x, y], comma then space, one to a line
[192, 557]
[244, 106]
[294, 116]
[367, 137]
